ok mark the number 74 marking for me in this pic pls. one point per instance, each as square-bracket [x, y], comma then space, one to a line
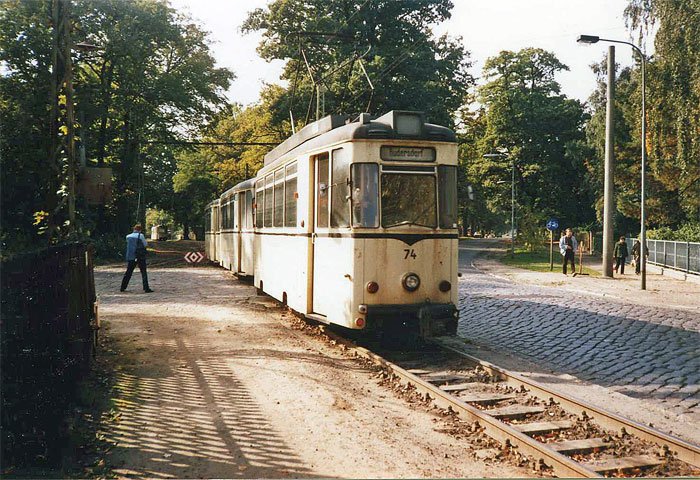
[409, 253]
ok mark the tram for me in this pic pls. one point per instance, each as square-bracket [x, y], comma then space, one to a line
[350, 222]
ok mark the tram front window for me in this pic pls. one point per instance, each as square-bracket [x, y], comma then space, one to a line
[365, 195]
[408, 200]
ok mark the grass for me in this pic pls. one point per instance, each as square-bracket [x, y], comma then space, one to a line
[538, 261]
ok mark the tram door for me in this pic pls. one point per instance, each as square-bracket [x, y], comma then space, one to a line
[322, 260]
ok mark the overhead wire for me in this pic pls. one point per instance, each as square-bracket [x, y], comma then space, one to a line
[322, 79]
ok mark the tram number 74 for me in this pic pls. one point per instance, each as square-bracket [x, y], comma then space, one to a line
[409, 253]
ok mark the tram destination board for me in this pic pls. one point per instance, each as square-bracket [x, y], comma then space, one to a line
[411, 154]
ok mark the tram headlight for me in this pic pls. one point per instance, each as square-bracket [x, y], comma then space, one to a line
[445, 286]
[411, 282]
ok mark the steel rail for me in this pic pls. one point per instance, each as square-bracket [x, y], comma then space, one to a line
[685, 451]
[562, 465]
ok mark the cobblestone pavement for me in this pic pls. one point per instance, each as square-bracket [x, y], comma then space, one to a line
[643, 352]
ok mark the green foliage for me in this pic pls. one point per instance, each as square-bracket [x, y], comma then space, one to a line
[524, 115]
[407, 66]
[689, 232]
[163, 218]
[673, 106]
[152, 79]
[109, 247]
[255, 124]
[194, 186]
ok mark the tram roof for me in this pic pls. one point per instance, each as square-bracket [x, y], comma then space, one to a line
[244, 185]
[396, 124]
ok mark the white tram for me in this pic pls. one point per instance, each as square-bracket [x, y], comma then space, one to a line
[355, 223]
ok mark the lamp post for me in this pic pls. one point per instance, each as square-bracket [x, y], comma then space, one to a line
[589, 39]
[512, 198]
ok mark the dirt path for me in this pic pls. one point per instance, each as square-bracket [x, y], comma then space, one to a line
[212, 382]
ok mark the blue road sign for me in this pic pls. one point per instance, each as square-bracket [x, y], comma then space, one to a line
[552, 224]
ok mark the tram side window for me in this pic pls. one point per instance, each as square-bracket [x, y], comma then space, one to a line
[365, 195]
[340, 188]
[224, 216]
[447, 191]
[259, 201]
[322, 191]
[248, 212]
[234, 210]
[232, 214]
[290, 200]
[268, 201]
[207, 221]
[279, 198]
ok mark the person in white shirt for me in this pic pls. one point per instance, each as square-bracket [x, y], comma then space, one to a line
[136, 255]
[568, 246]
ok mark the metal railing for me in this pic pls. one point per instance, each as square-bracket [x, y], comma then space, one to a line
[681, 256]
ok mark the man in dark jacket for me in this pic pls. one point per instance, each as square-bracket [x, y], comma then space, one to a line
[635, 255]
[136, 254]
[620, 253]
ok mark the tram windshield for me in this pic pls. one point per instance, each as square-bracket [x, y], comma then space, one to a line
[408, 199]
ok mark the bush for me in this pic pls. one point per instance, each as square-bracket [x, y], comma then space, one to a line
[109, 247]
[689, 232]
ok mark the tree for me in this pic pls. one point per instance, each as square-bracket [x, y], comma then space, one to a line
[662, 205]
[525, 115]
[194, 186]
[390, 39]
[673, 106]
[29, 182]
[152, 79]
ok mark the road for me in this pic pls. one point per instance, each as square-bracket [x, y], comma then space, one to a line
[214, 381]
[648, 353]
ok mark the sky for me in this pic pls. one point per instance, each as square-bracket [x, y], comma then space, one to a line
[486, 27]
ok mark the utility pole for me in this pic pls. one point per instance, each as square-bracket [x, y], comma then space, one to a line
[512, 209]
[62, 82]
[608, 200]
[590, 39]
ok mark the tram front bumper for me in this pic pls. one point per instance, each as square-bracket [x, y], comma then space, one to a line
[432, 319]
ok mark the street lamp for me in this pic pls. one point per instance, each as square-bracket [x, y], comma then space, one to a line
[512, 198]
[589, 39]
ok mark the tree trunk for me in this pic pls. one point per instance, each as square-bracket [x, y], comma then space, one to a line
[185, 231]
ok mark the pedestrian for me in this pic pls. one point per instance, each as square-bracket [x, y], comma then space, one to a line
[136, 255]
[620, 253]
[568, 246]
[635, 255]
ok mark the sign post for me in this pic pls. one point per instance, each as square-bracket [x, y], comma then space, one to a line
[552, 225]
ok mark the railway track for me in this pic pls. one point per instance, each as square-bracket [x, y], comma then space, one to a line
[565, 436]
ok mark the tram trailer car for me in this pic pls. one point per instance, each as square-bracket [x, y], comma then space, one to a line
[355, 223]
[211, 231]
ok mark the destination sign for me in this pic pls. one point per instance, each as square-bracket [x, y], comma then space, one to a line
[407, 154]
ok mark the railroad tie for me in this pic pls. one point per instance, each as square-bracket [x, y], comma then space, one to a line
[485, 398]
[513, 411]
[624, 463]
[580, 446]
[444, 378]
[542, 427]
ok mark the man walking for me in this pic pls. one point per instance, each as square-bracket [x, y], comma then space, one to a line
[136, 254]
[620, 253]
[568, 246]
[636, 248]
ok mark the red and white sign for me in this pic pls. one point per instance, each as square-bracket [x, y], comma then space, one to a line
[194, 257]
